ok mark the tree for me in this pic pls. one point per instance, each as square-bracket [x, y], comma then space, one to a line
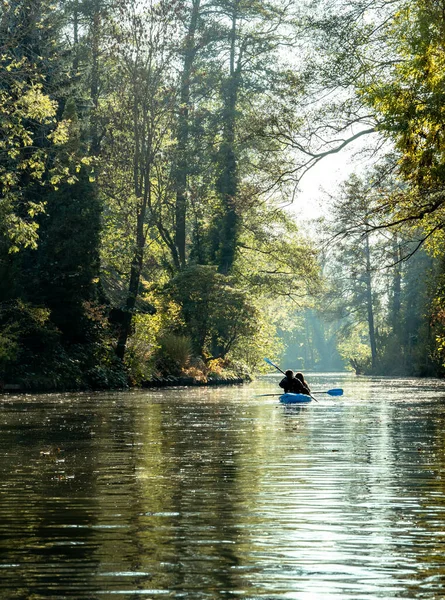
[407, 101]
[49, 259]
[30, 129]
[357, 257]
[140, 112]
[66, 262]
[181, 172]
[255, 31]
[217, 315]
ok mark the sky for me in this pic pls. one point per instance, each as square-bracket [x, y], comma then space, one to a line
[321, 180]
[324, 179]
[317, 184]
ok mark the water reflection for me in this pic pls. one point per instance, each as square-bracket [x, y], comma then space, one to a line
[212, 493]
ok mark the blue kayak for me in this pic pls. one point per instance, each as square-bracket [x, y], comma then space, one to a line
[290, 398]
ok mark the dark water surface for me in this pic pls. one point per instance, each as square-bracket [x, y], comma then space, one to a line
[215, 493]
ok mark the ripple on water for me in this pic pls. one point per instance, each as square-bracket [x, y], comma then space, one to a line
[212, 493]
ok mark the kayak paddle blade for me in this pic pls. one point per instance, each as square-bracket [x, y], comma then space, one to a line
[269, 362]
[335, 392]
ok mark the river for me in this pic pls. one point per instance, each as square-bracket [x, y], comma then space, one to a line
[211, 493]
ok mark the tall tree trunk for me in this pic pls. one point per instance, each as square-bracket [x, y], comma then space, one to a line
[130, 304]
[182, 170]
[228, 180]
[369, 304]
[94, 83]
[135, 273]
[397, 291]
[76, 37]
[141, 187]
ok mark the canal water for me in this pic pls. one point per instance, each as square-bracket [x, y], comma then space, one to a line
[213, 493]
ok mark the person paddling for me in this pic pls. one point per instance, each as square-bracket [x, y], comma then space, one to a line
[305, 384]
[293, 385]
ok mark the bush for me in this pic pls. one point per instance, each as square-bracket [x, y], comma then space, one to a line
[174, 354]
[217, 315]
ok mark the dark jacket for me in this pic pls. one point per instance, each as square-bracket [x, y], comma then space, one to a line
[293, 385]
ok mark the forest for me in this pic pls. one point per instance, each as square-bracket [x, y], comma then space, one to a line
[151, 153]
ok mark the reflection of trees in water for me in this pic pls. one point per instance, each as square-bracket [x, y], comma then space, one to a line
[420, 464]
[74, 460]
[48, 497]
[140, 488]
[191, 490]
[198, 484]
[119, 493]
[176, 491]
[394, 452]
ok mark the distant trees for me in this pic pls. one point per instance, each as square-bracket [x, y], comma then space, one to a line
[379, 303]
[355, 256]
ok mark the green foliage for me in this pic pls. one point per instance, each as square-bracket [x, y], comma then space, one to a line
[26, 113]
[435, 330]
[354, 348]
[247, 355]
[32, 353]
[67, 265]
[410, 102]
[275, 257]
[21, 323]
[407, 98]
[121, 133]
[9, 347]
[54, 331]
[30, 127]
[26, 332]
[148, 329]
[216, 314]
[173, 355]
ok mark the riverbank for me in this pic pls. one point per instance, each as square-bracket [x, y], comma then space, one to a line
[155, 382]
[193, 381]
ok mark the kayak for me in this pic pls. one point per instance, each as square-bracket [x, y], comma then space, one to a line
[290, 398]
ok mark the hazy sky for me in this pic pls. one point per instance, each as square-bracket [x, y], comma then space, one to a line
[325, 178]
[321, 180]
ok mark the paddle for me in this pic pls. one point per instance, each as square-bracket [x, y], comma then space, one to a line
[333, 392]
[269, 362]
